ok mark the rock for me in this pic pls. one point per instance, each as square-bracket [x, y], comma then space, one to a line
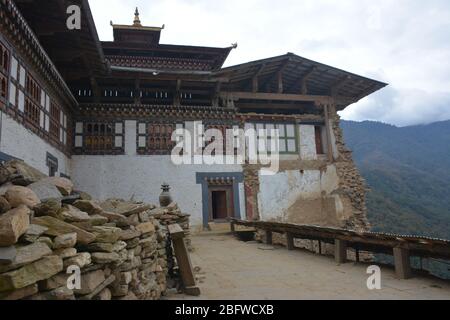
[123, 207]
[65, 241]
[26, 255]
[19, 293]
[106, 247]
[119, 290]
[124, 277]
[57, 228]
[90, 281]
[46, 240]
[54, 282]
[84, 195]
[106, 234]
[144, 216]
[49, 207]
[105, 295]
[7, 255]
[97, 220]
[4, 205]
[146, 227]
[45, 190]
[13, 224]
[65, 186]
[133, 220]
[33, 233]
[17, 196]
[115, 217]
[73, 214]
[119, 246]
[105, 257]
[59, 294]
[129, 234]
[65, 253]
[91, 207]
[81, 260]
[22, 174]
[99, 247]
[100, 288]
[132, 243]
[31, 273]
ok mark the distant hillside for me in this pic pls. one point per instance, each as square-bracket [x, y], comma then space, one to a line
[408, 171]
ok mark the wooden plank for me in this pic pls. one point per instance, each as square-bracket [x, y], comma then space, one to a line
[402, 263]
[290, 241]
[340, 251]
[275, 96]
[269, 239]
[183, 260]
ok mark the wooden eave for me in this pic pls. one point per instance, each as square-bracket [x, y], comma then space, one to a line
[75, 53]
[16, 26]
[300, 76]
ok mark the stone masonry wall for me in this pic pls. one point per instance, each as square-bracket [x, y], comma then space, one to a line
[48, 232]
[352, 185]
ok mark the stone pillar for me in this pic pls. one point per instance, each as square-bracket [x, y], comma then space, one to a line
[340, 251]
[402, 263]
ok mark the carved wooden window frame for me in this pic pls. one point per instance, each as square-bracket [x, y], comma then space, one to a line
[5, 58]
[150, 134]
[86, 137]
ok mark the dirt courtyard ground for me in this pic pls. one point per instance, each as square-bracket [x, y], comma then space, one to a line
[235, 270]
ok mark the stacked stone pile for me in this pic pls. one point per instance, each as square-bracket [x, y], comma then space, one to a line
[47, 231]
[173, 215]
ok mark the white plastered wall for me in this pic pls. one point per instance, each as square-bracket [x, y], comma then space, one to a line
[19, 142]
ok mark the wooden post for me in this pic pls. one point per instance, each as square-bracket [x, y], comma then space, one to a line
[320, 247]
[269, 237]
[402, 263]
[290, 241]
[328, 131]
[183, 260]
[340, 251]
[232, 227]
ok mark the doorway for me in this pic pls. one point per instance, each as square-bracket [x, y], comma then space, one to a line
[221, 203]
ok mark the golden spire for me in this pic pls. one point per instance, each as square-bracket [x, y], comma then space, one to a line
[137, 21]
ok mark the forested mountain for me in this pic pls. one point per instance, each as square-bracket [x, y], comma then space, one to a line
[408, 171]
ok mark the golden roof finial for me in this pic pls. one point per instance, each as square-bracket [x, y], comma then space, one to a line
[137, 21]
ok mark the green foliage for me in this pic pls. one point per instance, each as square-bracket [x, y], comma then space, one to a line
[408, 171]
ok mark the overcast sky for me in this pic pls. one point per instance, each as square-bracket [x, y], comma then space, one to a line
[405, 43]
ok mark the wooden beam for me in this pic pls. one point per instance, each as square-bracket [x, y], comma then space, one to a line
[276, 96]
[340, 251]
[302, 81]
[338, 84]
[255, 82]
[280, 81]
[183, 260]
[290, 241]
[328, 132]
[402, 263]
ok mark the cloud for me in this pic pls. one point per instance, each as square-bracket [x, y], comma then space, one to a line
[402, 42]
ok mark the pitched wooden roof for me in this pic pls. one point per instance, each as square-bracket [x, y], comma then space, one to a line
[301, 75]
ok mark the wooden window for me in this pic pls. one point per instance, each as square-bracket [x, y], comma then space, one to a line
[155, 138]
[319, 141]
[32, 100]
[288, 138]
[99, 137]
[4, 64]
[54, 121]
